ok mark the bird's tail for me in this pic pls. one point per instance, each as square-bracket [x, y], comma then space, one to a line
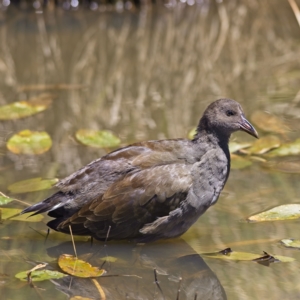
[52, 203]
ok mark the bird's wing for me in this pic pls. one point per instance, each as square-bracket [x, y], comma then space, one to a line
[115, 165]
[94, 179]
[133, 201]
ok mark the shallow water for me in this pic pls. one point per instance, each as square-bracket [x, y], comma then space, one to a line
[149, 75]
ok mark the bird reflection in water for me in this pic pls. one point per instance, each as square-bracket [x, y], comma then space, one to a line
[181, 273]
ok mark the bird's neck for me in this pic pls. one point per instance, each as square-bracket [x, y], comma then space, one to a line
[215, 135]
[215, 138]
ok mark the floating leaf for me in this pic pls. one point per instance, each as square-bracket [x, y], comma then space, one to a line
[292, 148]
[283, 258]
[77, 267]
[281, 212]
[240, 162]
[233, 255]
[291, 243]
[268, 122]
[29, 142]
[97, 138]
[235, 147]
[40, 275]
[266, 259]
[264, 145]
[4, 199]
[243, 256]
[14, 214]
[192, 133]
[31, 185]
[22, 109]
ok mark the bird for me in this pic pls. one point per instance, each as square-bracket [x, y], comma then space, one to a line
[149, 190]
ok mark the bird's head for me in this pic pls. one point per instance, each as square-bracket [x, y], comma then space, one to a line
[225, 116]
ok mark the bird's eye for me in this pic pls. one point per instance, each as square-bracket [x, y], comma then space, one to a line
[230, 113]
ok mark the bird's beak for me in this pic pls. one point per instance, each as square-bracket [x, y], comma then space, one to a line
[246, 126]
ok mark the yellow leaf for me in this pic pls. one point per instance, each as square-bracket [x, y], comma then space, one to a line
[77, 267]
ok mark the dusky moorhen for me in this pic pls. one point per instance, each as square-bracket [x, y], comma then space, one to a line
[150, 190]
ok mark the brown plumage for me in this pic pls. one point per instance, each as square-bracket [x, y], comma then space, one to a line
[149, 190]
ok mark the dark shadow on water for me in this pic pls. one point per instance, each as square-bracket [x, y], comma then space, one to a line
[181, 274]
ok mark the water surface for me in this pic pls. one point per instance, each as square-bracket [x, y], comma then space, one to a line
[149, 75]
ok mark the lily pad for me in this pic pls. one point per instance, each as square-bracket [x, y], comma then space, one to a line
[192, 133]
[291, 243]
[235, 147]
[77, 267]
[31, 185]
[268, 122]
[40, 275]
[243, 256]
[22, 109]
[240, 162]
[4, 199]
[278, 213]
[29, 142]
[97, 138]
[14, 214]
[264, 145]
[266, 259]
[292, 148]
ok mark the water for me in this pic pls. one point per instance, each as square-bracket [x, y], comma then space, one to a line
[149, 75]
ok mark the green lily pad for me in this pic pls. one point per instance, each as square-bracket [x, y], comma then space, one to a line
[192, 133]
[240, 162]
[268, 122]
[267, 259]
[29, 142]
[243, 256]
[14, 214]
[40, 275]
[32, 185]
[4, 199]
[77, 267]
[278, 213]
[22, 109]
[292, 148]
[291, 243]
[235, 147]
[97, 138]
[264, 144]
